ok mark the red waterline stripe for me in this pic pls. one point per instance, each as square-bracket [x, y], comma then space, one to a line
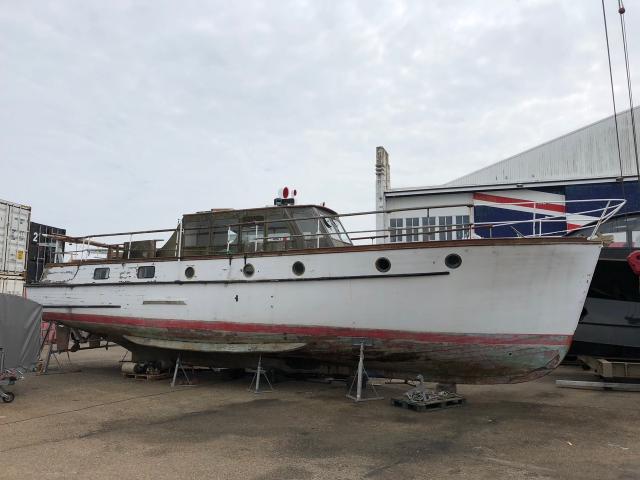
[316, 331]
[552, 207]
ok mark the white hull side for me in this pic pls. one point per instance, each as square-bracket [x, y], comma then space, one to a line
[499, 292]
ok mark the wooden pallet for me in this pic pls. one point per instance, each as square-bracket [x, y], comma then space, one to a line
[431, 405]
[144, 376]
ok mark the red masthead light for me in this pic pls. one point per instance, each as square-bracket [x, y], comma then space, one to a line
[285, 192]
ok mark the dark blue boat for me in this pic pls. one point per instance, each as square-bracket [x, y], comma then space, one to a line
[610, 322]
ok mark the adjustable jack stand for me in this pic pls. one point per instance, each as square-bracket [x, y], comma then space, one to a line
[362, 373]
[258, 372]
[52, 352]
[175, 372]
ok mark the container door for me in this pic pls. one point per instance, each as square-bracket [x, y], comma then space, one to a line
[15, 241]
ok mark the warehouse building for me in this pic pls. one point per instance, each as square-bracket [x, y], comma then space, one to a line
[549, 181]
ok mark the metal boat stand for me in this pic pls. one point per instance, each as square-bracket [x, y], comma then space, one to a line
[52, 352]
[362, 373]
[259, 372]
[181, 368]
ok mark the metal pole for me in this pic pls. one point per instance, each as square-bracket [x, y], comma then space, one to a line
[258, 373]
[360, 369]
[255, 244]
[175, 371]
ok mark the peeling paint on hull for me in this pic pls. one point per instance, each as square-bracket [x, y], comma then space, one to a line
[446, 357]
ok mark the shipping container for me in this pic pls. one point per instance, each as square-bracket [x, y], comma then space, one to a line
[12, 284]
[14, 232]
[43, 248]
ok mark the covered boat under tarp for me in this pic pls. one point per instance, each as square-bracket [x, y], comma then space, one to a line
[19, 339]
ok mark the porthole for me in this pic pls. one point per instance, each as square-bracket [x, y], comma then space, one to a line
[248, 270]
[383, 264]
[453, 260]
[189, 272]
[298, 268]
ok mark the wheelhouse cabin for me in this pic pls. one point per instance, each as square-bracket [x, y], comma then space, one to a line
[268, 229]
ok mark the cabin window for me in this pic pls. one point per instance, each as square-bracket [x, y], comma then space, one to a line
[396, 229]
[252, 236]
[197, 235]
[148, 271]
[101, 273]
[224, 239]
[312, 229]
[335, 228]
[412, 229]
[278, 231]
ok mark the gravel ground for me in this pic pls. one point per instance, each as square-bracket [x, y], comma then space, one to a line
[96, 424]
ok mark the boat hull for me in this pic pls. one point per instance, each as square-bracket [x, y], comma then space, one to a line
[609, 329]
[505, 315]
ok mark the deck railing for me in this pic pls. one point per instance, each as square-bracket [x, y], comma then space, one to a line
[249, 237]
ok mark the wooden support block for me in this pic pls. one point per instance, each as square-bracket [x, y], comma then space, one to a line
[627, 387]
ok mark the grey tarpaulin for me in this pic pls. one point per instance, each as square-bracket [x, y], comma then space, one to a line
[19, 331]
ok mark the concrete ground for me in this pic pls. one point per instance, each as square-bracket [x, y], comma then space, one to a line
[96, 424]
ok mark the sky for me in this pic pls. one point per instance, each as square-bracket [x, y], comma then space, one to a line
[124, 115]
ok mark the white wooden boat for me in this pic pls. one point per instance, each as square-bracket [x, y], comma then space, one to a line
[287, 283]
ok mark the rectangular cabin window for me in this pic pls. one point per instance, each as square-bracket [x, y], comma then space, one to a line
[147, 271]
[251, 233]
[278, 231]
[223, 234]
[196, 234]
[396, 229]
[311, 231]
[101, 273]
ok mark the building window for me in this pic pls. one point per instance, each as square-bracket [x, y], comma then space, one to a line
[146, 272]
[462, 227]
[101, 273]
[413, 230]
[396, 230]
[428, 228]
[446, 224]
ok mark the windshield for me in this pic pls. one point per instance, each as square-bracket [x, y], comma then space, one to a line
[336, 230]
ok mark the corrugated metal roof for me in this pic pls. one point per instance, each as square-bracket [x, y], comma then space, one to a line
[590, 152]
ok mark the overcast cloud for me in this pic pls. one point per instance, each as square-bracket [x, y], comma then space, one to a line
[123, 115]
